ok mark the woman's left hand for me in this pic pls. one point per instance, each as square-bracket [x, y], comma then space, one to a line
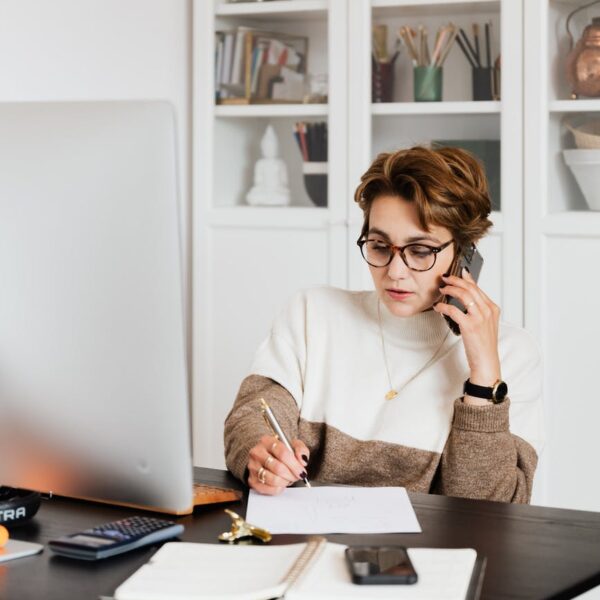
[478, 326]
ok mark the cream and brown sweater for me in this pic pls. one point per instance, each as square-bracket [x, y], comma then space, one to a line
[322, 369]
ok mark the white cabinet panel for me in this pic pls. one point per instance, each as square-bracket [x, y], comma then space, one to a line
[571, 334]
[251, 274]
[490, 279]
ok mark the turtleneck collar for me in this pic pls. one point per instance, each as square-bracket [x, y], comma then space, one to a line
[419, 331]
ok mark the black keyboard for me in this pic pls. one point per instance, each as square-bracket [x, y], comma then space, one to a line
[6, 493]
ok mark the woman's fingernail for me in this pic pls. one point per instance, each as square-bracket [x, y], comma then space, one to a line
[303, 475]
[304, 459]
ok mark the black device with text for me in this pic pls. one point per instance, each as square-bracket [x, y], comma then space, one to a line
[115, 538]
[472, 260]
[385, 565]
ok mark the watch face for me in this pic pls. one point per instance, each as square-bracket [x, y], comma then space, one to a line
[501, 391]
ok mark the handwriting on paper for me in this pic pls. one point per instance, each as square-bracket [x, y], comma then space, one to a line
[334, 510]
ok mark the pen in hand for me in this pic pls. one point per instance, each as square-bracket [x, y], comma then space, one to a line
[277, 431]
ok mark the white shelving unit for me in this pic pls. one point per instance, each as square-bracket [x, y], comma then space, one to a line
[387, 126]
[562, 247]
[248, 260]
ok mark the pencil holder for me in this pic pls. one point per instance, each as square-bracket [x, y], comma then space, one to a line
[382, 81]
[315, 181]
[427, 83]
[482, 83]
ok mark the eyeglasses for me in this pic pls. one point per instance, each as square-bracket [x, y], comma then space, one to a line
[417, 257]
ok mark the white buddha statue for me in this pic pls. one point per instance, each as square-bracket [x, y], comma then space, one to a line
[270, 175]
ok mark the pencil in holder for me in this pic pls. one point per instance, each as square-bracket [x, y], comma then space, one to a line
[315, 181]
[482, 83]
[382, 81]
[427, 83]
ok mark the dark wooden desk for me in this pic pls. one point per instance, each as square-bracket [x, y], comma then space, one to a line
[532, 552]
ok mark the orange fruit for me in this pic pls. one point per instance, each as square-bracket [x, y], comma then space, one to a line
[3, 536]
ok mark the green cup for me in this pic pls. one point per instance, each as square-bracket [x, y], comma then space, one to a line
[427, 83]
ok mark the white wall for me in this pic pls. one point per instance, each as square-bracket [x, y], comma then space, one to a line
[103, 50]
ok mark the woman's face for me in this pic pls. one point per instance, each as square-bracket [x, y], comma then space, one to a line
[406, 292]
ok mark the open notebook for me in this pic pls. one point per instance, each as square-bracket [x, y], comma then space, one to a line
[316, 569]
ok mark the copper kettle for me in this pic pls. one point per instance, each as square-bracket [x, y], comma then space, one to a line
[583, 61]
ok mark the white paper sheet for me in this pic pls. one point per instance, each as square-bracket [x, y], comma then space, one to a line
[334, 510]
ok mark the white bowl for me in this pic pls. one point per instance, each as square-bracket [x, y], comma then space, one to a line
[585, 165]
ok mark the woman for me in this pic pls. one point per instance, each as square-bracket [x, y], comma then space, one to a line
[372, 386]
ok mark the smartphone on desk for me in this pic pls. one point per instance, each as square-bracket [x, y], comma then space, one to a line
[384, 565]
[472, 260]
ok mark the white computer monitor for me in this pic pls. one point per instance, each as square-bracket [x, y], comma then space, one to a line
[93, 381]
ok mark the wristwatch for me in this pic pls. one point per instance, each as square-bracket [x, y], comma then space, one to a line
[495, 394]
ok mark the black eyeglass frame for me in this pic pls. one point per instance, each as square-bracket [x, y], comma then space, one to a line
[400, 249]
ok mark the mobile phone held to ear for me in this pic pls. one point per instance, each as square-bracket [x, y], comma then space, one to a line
[472, 261]
[383, 565]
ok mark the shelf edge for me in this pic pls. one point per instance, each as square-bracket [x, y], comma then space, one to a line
[436, 108]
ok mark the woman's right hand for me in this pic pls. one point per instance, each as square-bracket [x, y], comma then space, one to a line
[280, 467]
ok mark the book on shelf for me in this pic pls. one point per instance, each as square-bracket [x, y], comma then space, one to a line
[313, 570]
[219, 52]
[256, 66]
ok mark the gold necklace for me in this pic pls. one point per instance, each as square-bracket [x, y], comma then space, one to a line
[393, 393]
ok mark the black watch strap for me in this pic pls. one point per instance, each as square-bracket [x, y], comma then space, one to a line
[495, 393]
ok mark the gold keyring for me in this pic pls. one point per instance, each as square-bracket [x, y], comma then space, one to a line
[261, 475]
[268, 461]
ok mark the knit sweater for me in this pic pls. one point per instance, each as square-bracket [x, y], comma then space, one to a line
[323, 370]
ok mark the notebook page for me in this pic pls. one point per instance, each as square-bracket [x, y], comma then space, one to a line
[444, 574]
[188, 571]
[334, 510]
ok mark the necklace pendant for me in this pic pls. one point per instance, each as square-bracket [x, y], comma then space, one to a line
[391, 395]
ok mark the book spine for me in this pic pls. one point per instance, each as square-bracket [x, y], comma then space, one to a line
[227, 57]
[218, 64]
[238, 57]
[248, 66]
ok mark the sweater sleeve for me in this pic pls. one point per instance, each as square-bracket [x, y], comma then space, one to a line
[245, 425]
[483, 459]
[492, 451]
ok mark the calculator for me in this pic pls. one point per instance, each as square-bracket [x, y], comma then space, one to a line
[115, 538]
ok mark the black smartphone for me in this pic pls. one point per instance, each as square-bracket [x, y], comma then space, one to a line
[383, 565]
[473, 261]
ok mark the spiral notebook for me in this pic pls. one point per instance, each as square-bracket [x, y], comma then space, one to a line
[312, 570]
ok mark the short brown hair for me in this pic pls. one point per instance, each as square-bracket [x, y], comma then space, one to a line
[447, 185]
